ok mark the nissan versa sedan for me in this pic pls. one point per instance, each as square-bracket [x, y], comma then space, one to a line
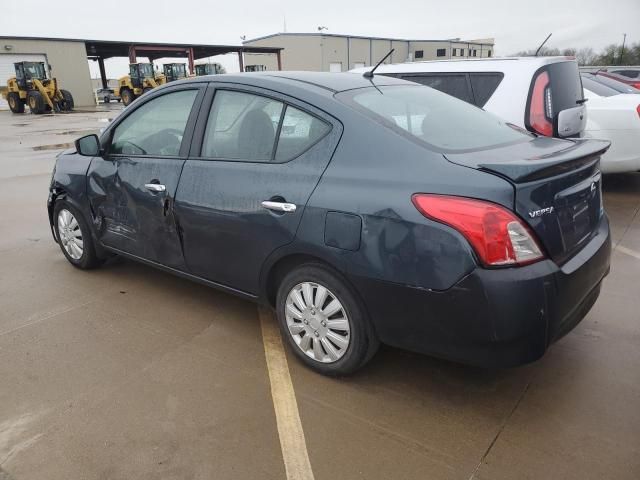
[363, 210]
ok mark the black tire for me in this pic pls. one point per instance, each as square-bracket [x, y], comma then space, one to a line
[35, 102]
[67, 103]
[127, 96]
[15, 102]
[106, 100]
[88, 259]
[363, 342]
[146, 89]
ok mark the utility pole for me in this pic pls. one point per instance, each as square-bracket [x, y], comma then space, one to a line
[624, 38]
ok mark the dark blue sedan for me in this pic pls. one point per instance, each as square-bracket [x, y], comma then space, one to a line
[364, 210]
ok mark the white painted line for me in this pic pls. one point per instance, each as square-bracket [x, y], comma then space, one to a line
[628, 251]
[292, 442]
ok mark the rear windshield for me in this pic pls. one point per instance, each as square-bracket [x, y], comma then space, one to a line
[566, 87]
[433, 117]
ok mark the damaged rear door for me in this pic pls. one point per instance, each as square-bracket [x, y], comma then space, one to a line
[132, 187]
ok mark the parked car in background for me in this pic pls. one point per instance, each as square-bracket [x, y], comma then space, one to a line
[626, 75]
[541, 94]
[361, 209]
[614, 116]
[106, 95]
[616, 85]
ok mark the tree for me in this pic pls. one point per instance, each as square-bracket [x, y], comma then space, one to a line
[586, 56]
[610, 55]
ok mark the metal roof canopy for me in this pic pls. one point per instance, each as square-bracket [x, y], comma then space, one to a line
[101, 49]
[109, 48]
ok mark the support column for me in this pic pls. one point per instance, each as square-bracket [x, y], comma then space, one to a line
[190, 54]
[103, 75]
[279, 56]
[241, 60]
[132, 54]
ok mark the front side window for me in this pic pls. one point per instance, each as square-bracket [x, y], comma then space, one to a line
[439, 120]
[441, 52]
[242, 126]
[156, 128]
[419, 54]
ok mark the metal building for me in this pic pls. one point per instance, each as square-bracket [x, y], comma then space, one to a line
[66, 58]
[339, 53]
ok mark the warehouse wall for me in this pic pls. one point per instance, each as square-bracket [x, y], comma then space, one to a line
[318, 52]
[300, 53]
[68, 62]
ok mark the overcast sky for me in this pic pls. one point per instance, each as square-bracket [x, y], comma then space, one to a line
[515, 25]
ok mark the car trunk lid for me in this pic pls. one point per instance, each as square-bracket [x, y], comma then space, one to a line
[558, 188]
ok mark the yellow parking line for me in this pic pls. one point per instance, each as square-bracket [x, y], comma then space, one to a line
[628, 251]
[292, 442]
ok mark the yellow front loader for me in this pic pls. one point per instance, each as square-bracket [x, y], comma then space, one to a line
[140, 80]
[31, 87]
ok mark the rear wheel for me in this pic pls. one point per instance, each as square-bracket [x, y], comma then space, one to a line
[15, 102]
[67, 101]
[74, 236]
[106, 99]
[323, 321]
[127, 96]
[35, 102]
[146, 89]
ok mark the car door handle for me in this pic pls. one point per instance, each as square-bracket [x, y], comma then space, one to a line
[279, 206]
[155, 187]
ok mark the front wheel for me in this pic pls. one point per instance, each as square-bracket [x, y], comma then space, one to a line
[67, 103]
[15, 102]
[74, 236]
[323, 321]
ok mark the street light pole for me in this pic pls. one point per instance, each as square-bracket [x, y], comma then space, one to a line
[624, 38]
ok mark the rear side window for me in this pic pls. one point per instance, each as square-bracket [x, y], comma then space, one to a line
[252, 128]
[439, 120]
[299, 131]
[483, 86]
[455, 85]
[242, 126]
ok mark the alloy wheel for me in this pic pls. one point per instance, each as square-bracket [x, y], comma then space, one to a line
[70, 234]
[317, 322]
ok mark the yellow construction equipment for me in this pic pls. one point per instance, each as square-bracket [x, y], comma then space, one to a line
[141, 79]
[31, 87]
[174, 71]
[209, 69]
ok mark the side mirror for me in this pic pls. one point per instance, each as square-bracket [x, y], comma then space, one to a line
[89, 146]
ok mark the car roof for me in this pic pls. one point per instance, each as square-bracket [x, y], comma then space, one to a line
[330, 83]
[469, 65]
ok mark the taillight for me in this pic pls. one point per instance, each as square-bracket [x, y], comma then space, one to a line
[638, 110]
[636, 85]
[498, 237]
[541, 106]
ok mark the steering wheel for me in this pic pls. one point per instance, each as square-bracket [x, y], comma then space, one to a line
[140, 150]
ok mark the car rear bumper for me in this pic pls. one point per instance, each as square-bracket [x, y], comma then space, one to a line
[492, 318]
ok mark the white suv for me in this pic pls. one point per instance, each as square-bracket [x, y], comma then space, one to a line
[542, 94]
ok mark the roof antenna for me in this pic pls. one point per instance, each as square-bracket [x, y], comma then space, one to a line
[369, 74]
[542, 44]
